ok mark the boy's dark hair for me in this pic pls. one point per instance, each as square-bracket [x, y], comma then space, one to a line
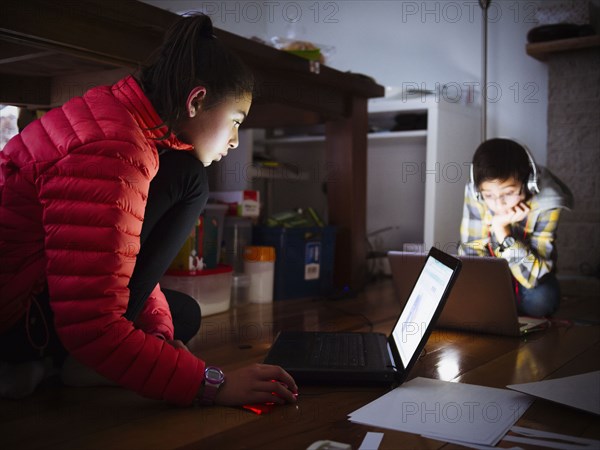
[192, 56]
[500, 159]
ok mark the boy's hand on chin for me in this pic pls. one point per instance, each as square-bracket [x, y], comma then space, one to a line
[501, 222]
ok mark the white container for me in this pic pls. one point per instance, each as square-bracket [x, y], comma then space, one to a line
[211, 288]
[259, 265]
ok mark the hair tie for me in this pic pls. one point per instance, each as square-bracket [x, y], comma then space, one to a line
[205, 27]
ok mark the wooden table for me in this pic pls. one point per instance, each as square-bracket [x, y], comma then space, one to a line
[51, 50]
[110, 418]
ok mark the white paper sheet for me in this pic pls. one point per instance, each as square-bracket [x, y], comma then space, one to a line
[547, 439]
[579, 391]
[446, 411]
[371, 441]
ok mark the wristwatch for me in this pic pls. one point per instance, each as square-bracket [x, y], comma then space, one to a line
[213, 379]
[506, 243]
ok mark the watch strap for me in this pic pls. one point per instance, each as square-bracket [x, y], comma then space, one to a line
[211, 386]
[209, 394]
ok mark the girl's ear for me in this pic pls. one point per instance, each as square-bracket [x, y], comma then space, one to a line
[194, 100]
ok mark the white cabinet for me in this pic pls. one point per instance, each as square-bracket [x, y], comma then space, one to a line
[416, 179]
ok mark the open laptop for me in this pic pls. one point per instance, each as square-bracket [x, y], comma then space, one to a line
[352, 357]
[483, 299]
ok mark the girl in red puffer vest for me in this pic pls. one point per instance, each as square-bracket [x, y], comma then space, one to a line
[96, 199]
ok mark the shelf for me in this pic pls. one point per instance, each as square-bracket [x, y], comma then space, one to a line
[542, 50]
[398, 134]
[276, 173]
[292, 140]
[377, 135]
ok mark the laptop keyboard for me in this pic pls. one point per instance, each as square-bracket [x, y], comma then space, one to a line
[339, 350]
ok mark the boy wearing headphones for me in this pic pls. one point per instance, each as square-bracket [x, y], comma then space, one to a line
[511, 211]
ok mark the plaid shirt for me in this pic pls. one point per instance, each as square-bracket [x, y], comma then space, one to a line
[533, 254]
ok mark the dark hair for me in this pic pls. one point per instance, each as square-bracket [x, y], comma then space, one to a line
[500, 159]
[191, 56]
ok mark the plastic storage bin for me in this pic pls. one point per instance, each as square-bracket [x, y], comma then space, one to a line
[304, 259]
[211, 288]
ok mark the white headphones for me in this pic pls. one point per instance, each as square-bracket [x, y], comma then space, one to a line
[532, 179]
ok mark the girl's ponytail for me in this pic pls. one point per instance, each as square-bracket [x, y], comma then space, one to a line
[205, 27]
[190, 56]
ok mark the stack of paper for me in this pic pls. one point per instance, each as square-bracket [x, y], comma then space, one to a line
[446, 411]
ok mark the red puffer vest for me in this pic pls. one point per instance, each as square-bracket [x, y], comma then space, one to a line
[73, 190]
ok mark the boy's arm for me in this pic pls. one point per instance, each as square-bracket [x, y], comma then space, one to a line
[474, 236]
[530, 259]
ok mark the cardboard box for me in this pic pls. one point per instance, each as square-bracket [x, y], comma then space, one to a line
[241, 203]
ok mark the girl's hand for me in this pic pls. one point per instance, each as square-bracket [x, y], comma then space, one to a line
[257, 383]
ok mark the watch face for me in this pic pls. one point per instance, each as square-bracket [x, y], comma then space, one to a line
[213, 375]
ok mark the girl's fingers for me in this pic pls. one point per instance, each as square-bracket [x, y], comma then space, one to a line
[277, 389]
[276, 373]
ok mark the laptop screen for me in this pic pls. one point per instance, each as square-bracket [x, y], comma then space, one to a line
[420, 308]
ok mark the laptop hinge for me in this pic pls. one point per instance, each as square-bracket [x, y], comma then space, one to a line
[391, 357]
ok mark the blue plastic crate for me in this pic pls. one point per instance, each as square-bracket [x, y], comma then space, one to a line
[304, 259]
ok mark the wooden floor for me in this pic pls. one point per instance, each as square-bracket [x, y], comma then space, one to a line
[57, 417]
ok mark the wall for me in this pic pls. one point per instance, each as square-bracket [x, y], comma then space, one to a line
[574, 155]
[414, 43]
[432, 43]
